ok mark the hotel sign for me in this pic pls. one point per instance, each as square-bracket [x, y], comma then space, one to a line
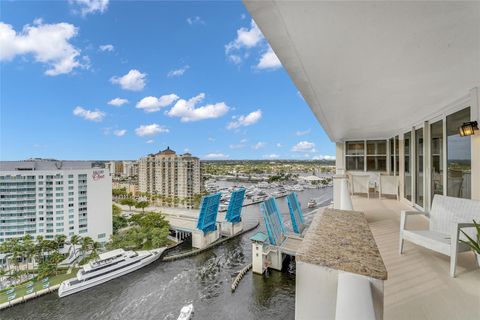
[97, 175]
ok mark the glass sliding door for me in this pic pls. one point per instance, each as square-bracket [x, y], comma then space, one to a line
[459, 159]
[392, 156]
[407, 175]
[436, 149]
[419, 167]
[397, 156]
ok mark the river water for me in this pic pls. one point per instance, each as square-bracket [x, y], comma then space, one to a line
[159, 290]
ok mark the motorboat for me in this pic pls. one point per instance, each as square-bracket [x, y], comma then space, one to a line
[312, 203]
[108, 266]
[186, 313]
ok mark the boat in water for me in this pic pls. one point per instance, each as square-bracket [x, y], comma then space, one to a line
[186, 313]
[312, 203]
[108, 266]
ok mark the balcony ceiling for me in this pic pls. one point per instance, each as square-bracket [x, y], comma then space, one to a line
[372, 69]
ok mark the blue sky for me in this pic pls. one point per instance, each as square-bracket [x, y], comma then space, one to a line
[92, 79]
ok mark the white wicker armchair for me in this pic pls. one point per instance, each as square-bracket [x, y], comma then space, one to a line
[447, 217]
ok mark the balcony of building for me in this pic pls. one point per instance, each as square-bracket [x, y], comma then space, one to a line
[419, 285]
[391, 83]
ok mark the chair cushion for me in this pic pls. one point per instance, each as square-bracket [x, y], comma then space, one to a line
[436, 241]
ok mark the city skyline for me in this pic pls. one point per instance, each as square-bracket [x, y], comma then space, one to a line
[102, 91]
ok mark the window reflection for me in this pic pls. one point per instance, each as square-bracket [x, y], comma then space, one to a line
[436, 147]
[407, 174]
[459, 160]
[419, 167]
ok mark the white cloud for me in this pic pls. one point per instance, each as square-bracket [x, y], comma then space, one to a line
[236, 59]
[211, 139]
[279, 145]
[323, 157]
[96, 115]
[243, 16]
[258, 145]
[120, 133]
[302, 133]
[271, 156]
[48, 43]
[246, 38]
[237, 146]
[150, 141]
[216, 156]
[107, 47]
[304, 146]
[153, 104]
[134, 80]
[117, 102]
[269, 60]
[195, 20]
[85, 7]
[178, 72]
[187, 112]
[244, 121]
[150, 130]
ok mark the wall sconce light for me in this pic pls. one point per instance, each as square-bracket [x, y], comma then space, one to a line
[468, 128]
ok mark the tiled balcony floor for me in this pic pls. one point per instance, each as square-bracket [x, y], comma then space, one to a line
[419, 285]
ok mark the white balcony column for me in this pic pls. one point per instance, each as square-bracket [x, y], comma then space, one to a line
[341, 193]
[340, 158]
[475, 114]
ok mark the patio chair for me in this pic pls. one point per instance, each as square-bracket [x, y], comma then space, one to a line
[388, 185]
[360, 184]
[447, 216]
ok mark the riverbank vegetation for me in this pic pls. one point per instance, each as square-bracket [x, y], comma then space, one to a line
[144, 231]
[28, 258]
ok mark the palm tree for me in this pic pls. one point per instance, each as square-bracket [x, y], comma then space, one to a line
[95, 246]
[28, 249]
[54, 259]
[74, 241]
[61, 239]
[86, 244]
[39, 248]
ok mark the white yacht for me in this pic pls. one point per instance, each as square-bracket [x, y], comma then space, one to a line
[186, 313]
[108, 266]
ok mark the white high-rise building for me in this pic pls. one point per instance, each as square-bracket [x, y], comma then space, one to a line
[50, 197]
[130, 168]
[166, 173]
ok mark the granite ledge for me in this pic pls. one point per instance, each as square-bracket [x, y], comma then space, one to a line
[342, 240]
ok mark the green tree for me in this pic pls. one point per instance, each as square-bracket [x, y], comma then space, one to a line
[119, 192]
[148, 230]
[61, 240]
[130, 202]
[86, 245]
[74, 241]
[54, 259]
[95, 247]
[141, 205]
[116, 210]
[29, 250]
